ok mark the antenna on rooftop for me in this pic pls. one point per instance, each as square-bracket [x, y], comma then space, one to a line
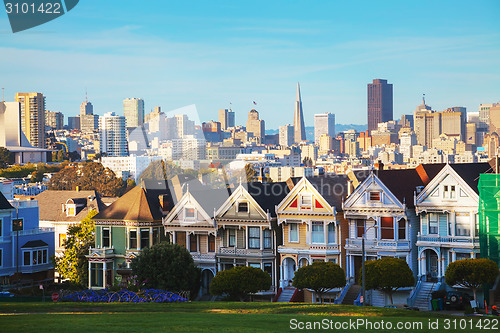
[86, 100]
[423, 98]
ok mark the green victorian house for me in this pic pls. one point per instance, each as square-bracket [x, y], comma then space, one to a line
[123, 229]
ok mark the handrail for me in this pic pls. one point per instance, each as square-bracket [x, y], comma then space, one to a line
[344, 291]
[275, 299]
[357, 301]
[413, 295]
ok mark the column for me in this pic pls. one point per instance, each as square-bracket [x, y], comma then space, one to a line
[281, 275]
[261, 233]
[90, 274]
[188, 244]
[104, 273]
[325, 232]
[246, 238]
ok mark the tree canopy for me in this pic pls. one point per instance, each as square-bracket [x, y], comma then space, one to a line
[168, 267]
[238, 282]
[387, 274]
[320, 277]
[73, 265]
[471, 273]
[160, 170]
[6, 157]
[88, 176]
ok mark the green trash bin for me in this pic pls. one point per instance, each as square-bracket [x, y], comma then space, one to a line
[435, 305]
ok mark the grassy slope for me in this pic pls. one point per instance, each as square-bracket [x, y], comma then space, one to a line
[186, 317]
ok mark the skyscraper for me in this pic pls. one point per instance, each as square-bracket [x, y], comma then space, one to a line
[324, 123]
[86, 108]
[54, 119]
[379, 103]
[298, 119]
[286, 135]
[133, 110]
[113, 137]
[33, 117]
[226, 118]
[256, 126]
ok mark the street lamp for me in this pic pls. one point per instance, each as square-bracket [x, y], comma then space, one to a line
[363, 262]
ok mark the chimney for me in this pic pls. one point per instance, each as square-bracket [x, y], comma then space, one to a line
[350, 188]
[380, 165]
[77, 188]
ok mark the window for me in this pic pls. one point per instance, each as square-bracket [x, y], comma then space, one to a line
[253, 237]
[461, 256]
[433, 223]
[334, 260]
[318, 233]
[132, 240]
[17, 224]
[106, 237]
[387, 228]
[1, 257]
[144, 237]
[306, 201]
[294, 233]
[211, 243]
[62, 239]
[331, 233]
[476, 222]
[96, 279]
[267, 239]
[402, 229]
[446, 192]
[193, 243]
[189, 213]
[71, 211]
[156, 235]
[232, 237]
[26, 258]
[1, 224]
[449, 191]
[243, 207]
[452, 192]
[268, 268]
[35, 257]
[360, 228]
[462, 224]
[374, 196]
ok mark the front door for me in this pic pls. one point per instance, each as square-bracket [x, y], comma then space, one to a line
[358, 262]
[432, 264]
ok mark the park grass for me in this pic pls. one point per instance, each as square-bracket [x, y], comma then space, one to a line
[193, 317]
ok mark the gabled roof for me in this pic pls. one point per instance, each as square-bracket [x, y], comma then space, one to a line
[35, 243]
[50, 203]
[268, 195]
[210, 199]
[4, 203]
[470, 172]
[138, 204]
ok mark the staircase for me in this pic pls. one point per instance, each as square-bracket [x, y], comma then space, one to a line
[351, 295]
[377, 298]
[286, 294]
[424, 295]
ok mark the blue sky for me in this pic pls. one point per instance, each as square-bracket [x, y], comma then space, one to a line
[212, 53]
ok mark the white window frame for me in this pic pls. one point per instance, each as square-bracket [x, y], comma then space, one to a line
[102, 237]
[318, 223]
[306, 206]
[290, 233]
[242, 211]
[375, 200]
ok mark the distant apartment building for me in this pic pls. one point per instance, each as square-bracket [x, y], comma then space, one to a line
[286, 135]
[33, 117]
[256, 126]
[189, 148]
[128, 166]
[226, 118]
[133, 110]
[54, 120]
[74, 123]
[324, 123]
[113, 137]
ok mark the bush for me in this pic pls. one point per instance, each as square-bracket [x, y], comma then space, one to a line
[320, 277]
[168, 267]
[238, 282]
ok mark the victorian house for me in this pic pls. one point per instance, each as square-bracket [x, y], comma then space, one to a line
[191, 224]
[123, 229]
[449, 226]
[313, 225]
[381, 212]
[247, 230]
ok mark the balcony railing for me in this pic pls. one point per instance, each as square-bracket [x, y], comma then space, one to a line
[448, 239]
[324, 247]
[101, 251]
[233, 251]
[377, 244]
[203, 256]
[24, 203]
[34, 231]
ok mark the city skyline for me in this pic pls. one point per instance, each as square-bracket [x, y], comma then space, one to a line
[334, 50]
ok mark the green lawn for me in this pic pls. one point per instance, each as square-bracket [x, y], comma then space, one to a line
[216, 316]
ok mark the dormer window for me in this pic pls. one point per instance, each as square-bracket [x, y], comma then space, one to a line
[374, 196]
[306, 201]
[449, 191]
[189, 213]
[242, 207]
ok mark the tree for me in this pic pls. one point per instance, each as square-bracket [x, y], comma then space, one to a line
[388, 275]
[320, 277]
[73, 265]
[160, 170]
[250, 172]
[60, 155]
[471, 273]
[238, 282]
[307, 162]
[37, 176]
[6, 157]
[88, 176]
[168, 267]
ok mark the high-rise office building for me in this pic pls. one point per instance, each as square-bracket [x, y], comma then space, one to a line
[324, 123]
[113, 137]
[298, 119]
[226, 118]
[89, 123]
[74, 123]
[286, 135]
[453, 121]
[256, 126]
[153, 114]
[133, 110]
[54, 120]
[33, 117]
[379, 103]
[86, 108]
